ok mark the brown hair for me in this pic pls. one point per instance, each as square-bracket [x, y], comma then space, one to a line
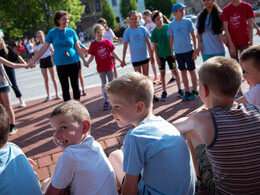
[4, 126]
[253, 53]
[58, 15]
[222, 75]
[147, 12]
[101, 21]
[97, 27]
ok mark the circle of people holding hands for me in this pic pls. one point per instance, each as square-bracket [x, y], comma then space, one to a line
[215, 148]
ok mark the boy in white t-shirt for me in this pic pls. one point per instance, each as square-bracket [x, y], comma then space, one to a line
[83, 168]
[250, 61]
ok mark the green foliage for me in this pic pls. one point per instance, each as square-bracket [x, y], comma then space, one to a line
[164, 6]
[20, 18]
[126, 6]
[109, 15]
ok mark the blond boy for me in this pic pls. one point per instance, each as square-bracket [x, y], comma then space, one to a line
[225, 134]
[83, 168]
[154, 148]
[250, 61]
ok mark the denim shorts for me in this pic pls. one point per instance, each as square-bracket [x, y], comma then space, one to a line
[4, 89]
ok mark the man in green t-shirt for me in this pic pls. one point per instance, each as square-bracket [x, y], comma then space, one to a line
[161, 42]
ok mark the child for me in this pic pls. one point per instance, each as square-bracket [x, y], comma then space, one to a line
[179, 31]
[210, 30]
[250, 61]
[101, 49]
[237, 18]
[149, 25]
[138, 37]
[153, 148]
[225, 135]
[16, 173]
[83, 166]
[162, 50]
[5, 91]
[46, 64]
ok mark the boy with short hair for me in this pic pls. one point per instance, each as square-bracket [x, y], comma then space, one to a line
[250, 61]
[153, 148]
[16, 173]
[162, 51]
[179, 31]
[83, 167]
[225, 135]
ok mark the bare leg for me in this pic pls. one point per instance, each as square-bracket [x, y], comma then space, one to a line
[177, 77]
[6, 101]
[46, 80]
[154, 69]
[193, 79]
[145, 68]
[162, 72]
[81, 80]
[138, 69]
[185, 80]
[51, 70]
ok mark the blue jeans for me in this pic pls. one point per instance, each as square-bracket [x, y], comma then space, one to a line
[11, 75]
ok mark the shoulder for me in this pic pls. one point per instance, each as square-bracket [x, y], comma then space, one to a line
[245, 4]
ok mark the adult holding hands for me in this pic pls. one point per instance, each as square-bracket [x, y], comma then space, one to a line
[66, 54]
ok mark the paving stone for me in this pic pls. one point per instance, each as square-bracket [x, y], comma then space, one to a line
[56, 156]
[43, 173]
[44, 161]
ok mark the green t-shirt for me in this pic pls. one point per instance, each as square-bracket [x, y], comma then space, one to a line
[160, 37]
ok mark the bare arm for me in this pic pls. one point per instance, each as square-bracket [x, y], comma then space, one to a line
[171, 46]
[256, 26]
[89, 60]
[242, 100]
[21, 60]
[54, 191]
[116, 56]
[124, 53]
[194, 55]
[130, 186]
[250, 27]
[231, 45]
[156, 54]
[11, 64]
[150, 50]
[79, 51]
[40, 52]
[199, 48]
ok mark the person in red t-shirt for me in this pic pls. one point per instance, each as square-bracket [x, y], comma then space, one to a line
[237, 18]
[21, 49]
[101, 49]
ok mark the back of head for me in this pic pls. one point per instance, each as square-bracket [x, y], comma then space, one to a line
[73, 108]
[252, 53]
[222, 75]
[4, 126]
[133, 87]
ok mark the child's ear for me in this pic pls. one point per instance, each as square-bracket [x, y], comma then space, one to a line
[206, 90]
[139, 107]
[86, 126]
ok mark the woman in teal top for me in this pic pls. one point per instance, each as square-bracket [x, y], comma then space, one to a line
[66, 54]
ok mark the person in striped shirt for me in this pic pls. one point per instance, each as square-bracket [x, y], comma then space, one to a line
[224, 136]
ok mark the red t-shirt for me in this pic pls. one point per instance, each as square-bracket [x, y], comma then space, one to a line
[101, 51]
[21, 49]
[237, 22]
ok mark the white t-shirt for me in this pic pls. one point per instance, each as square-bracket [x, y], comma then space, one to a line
[253, 95]
[109, 35]
[86, 169]
[47, 53]
[30, 47]
[150, 27]
[81, 36]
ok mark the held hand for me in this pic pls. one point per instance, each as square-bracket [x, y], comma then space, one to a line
[31, 64]
[123, 63]
[152, 60]
[194, 55]
[258, 32]
[232, 51]
[198, 50]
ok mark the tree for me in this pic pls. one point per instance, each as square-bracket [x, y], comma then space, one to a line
[109, 15]
[164, 6]
[126, 6]
[20, 18]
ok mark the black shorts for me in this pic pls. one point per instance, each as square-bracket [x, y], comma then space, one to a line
[46, 62]
[185, 61]
[79, 64]
[170, 61]
[140, 63]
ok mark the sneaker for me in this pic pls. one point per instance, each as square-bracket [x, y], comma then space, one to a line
[155, 99]
[13, 129]
[48, 98]
[180, 93]
[156, 81]
[164, 96]
[171, 80]
[186, 96]
[57, 97]
[22, 104]
[84, 93]
[105, 107]
[194, 95]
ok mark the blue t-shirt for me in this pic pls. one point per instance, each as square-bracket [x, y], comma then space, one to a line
[16, 173]
[136, 39]
[211, 44]
[180, 30]
[63, 41]
[156, 149]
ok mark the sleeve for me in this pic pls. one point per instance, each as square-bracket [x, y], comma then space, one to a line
[224, 15]
[112, 33]
[125, 36]
[191, 26]
[197, 22]
[169, 31]
[153, 37]
[134, 153]
[251, 13]
[146, 33]
[49, 38]
[252, 96]
[12, 56]
[64, 170]
[91, 49]
[111, 46]
[76, 38]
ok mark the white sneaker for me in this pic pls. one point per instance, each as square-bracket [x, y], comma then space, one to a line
[48, 98]
[57, 97]
[22, 104]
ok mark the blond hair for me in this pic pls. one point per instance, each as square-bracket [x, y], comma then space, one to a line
[74, 109]
[133, 87]
[4, 46]
[97, 27]
[222, 75]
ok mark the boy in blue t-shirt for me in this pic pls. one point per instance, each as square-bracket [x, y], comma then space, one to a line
[153, 149]
[179, 31]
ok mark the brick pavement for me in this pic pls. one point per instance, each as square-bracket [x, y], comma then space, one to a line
[35, 138]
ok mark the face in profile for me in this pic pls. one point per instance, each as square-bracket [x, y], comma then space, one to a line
[251, 74]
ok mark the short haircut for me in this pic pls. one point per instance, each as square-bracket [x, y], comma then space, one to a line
[97, 27]
[222, 75]
[147, 12]
[58, 15]
[252, 53]
[73, 108]
[133, 12]
[4, 126]
[133, 87]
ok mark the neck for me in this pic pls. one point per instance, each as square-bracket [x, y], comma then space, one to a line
[159, 26]
[142, 117]
[236, 3]
[134, 26]
[210, 10]
[178, 18]
[99, 39]
[223, 101]
[61, 27]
